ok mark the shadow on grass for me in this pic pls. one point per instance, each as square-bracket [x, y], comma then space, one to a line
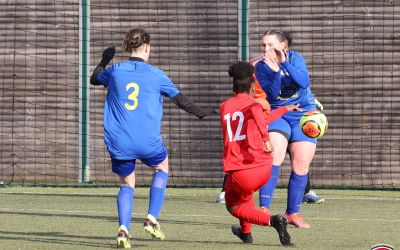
[59, 238]
[105, 218]
[53, 238]
[94, 195]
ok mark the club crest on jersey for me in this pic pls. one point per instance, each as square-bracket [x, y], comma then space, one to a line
[287, 92]
[284, 73]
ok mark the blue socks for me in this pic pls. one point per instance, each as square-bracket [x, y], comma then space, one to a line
[157, 193]
[266, 192]
[125, 206]
[297, 184]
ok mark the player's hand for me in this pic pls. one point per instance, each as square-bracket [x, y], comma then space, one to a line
[319, 105]
[294, 107]
[271, 59]
[268, 147]
[254, 61]
[107, 56]
[280, 55]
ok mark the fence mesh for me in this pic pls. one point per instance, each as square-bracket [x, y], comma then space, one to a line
[352, 49]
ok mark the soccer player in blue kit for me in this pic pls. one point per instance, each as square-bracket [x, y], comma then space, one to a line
[284, 77]
[132, 123]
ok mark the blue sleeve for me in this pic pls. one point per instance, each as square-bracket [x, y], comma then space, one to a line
[297, 69]
[269, 80]
[104, 76]
[168, 88]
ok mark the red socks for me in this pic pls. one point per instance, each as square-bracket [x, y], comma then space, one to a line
[246, 213]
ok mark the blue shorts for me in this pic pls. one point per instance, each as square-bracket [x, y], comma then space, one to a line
[126, 167]
[289, 126]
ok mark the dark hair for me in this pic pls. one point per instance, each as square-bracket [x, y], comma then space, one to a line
[135, 38]
[281, 35]
[288, 38]
[242, 73]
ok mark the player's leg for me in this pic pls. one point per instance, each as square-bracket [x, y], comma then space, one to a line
[157, 194]
[240, 187]
[301, 151]
[157, 188]
[243, 230]
[310, 197]
[125, 170]
[308, 186]
[221, 195]
[279, 132]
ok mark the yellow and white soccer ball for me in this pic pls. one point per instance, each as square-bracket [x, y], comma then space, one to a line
[314, 124]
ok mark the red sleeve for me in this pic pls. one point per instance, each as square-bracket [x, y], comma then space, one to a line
[259, 118]
[275, 114]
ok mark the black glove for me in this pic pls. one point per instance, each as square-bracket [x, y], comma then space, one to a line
[107, 56]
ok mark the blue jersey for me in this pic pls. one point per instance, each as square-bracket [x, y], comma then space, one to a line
[133, 108]
[290, 85]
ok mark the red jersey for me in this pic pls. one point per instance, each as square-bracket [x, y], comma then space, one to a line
[244, 128]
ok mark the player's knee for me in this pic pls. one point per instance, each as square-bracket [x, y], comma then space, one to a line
[232, 209]
[300, 169]
[278, 157]
[129, 180]
[163, 166]
[277, 162]
[129, 184]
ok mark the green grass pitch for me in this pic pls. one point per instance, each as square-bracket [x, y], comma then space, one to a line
[85, 218]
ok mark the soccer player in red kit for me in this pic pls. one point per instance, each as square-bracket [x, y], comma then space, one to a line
[247, 156]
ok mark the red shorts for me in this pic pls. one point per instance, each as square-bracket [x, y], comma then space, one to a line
[241, 184]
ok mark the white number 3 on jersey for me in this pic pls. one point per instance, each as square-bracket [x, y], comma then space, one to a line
[238, 136]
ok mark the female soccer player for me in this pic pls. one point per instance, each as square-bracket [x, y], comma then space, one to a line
[132, 120]
[310, 196]
[284, 77]
[247, 154]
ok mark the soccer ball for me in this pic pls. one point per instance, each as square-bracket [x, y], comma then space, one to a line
[314, 124]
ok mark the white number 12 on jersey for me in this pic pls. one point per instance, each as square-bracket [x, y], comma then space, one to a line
[238, 136]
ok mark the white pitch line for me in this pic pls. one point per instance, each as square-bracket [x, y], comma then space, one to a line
[61, 194]
[188, 196]
[353, 219]
[27, 210]
[79, 212]
[361, 198]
